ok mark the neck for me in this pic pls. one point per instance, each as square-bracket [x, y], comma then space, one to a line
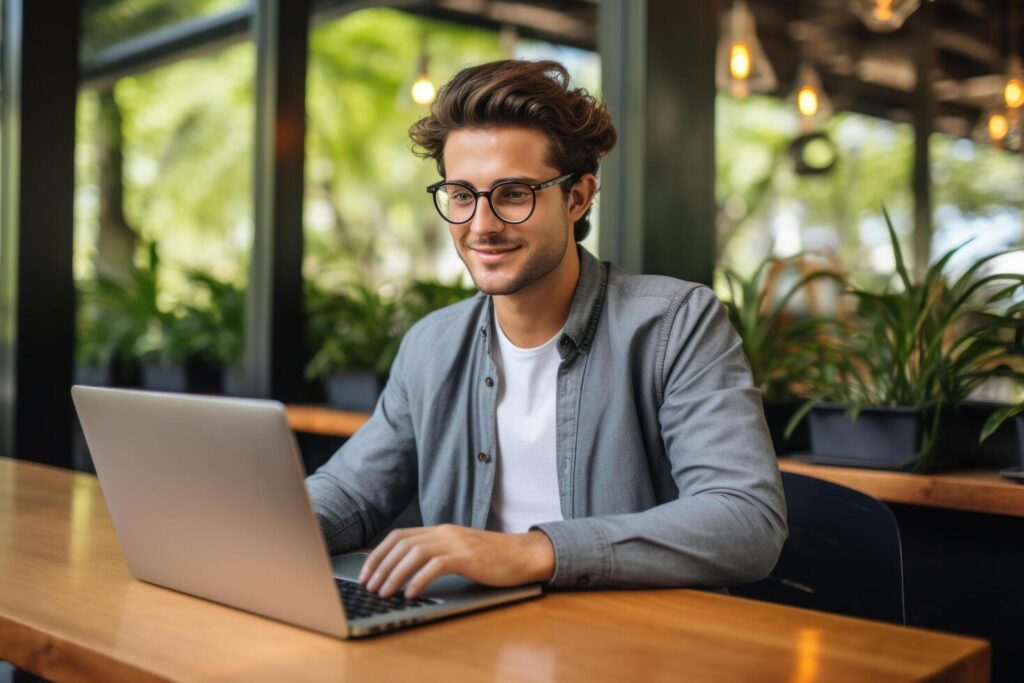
[534, 314]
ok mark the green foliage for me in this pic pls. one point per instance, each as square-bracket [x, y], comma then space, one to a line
[773, 339]
[927, 344]
[355, 329]
[213, 330]
[123, 318]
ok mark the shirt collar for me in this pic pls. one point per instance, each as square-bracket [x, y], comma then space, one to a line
[587, 301]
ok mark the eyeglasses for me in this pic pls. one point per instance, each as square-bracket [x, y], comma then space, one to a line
[512, 201]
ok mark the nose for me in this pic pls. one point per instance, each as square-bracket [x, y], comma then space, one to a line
[485, 220]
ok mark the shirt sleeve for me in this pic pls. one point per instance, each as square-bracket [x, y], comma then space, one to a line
[728, 524]
[372, 477]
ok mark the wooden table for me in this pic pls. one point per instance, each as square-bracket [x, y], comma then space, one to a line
[967, 490]
[69, 610]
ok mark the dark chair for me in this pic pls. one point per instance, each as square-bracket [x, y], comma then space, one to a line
[843, 554]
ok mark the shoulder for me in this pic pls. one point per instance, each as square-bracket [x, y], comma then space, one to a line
[655, 292]
[441, 338]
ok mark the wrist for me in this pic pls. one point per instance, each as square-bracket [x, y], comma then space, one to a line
[541, 556]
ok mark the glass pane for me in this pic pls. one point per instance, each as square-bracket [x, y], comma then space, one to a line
[107, 22]
[767, 207]
[163, 223]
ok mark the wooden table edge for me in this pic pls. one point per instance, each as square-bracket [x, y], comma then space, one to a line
[967, 490]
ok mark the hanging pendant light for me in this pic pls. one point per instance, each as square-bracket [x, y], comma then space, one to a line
[423, 90]
[1013, 91]
[741, 64]
[883, 16]
[1000, 127]
[809, 98]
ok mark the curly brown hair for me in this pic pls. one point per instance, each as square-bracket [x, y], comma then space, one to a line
[514, 92]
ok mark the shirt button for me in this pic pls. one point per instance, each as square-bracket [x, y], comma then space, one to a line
[489, 382]
[483, 457]
[583, 581]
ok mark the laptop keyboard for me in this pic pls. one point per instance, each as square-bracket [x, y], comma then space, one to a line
[360, 602]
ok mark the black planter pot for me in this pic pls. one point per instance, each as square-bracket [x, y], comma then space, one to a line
[203, 377]
[887, 438]
[234, 384]
[158, 376]
[1004, 448]
[777, 414]
[93, 376]
[125, 371]
[356, 390]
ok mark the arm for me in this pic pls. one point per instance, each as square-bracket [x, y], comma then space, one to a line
[372, 477]
[729, 523]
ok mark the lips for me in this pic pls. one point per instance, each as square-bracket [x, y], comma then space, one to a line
[493, 254]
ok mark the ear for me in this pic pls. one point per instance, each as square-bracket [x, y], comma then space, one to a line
[581, 196]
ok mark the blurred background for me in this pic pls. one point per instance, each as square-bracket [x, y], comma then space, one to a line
[219, 195]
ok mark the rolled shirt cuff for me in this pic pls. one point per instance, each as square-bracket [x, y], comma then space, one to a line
[583, 555]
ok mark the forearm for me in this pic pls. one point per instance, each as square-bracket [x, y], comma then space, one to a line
[346, 524]
[713, 539]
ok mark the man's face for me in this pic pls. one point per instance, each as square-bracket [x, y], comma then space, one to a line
[507, 258]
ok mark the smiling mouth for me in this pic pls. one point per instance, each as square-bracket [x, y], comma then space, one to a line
[492, 250]
[492, 255]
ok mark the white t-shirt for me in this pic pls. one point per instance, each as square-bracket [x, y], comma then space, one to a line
[526, 480]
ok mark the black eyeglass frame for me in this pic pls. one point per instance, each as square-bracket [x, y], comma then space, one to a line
[534, 188]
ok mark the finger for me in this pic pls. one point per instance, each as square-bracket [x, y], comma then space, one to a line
[382, 550]
[432, 570]
[391, 560]
[417, 556]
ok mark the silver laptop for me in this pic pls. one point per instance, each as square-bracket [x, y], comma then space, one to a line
[207, 497]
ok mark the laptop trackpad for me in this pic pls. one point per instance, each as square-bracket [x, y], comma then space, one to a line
[348, 566]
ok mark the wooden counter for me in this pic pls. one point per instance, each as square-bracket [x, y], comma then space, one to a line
[325, 421]
[69, 610]
[969, 490]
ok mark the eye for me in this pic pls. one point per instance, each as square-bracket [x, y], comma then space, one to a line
[460, 196]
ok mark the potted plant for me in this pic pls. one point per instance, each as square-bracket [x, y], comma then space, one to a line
[356, 334]
[774, 337]
[890, 378]
[116, 318]
[209, 335]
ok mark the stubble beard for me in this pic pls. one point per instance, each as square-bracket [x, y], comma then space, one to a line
[547, 257]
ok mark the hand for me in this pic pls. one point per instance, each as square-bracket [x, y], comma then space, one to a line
[420, 555]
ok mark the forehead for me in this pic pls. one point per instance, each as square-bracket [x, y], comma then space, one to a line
[481, 155]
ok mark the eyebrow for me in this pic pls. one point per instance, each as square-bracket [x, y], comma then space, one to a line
[519, 179]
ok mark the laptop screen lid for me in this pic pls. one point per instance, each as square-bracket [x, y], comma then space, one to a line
[207, 497]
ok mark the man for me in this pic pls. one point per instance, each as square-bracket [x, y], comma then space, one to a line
[571, 424]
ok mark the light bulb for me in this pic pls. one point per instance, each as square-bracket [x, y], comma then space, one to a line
[423, 90]
[998, 127]
[883, 10]
[1013, 93]
[739, 60]
[807, 101]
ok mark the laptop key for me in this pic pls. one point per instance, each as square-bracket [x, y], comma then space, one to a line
[359, 602]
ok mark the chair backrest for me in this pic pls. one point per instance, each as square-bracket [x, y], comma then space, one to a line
[843, 554]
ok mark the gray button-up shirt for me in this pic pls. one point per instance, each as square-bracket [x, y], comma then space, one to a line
[666, 471]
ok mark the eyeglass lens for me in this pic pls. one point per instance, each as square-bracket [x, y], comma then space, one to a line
[512, 202]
